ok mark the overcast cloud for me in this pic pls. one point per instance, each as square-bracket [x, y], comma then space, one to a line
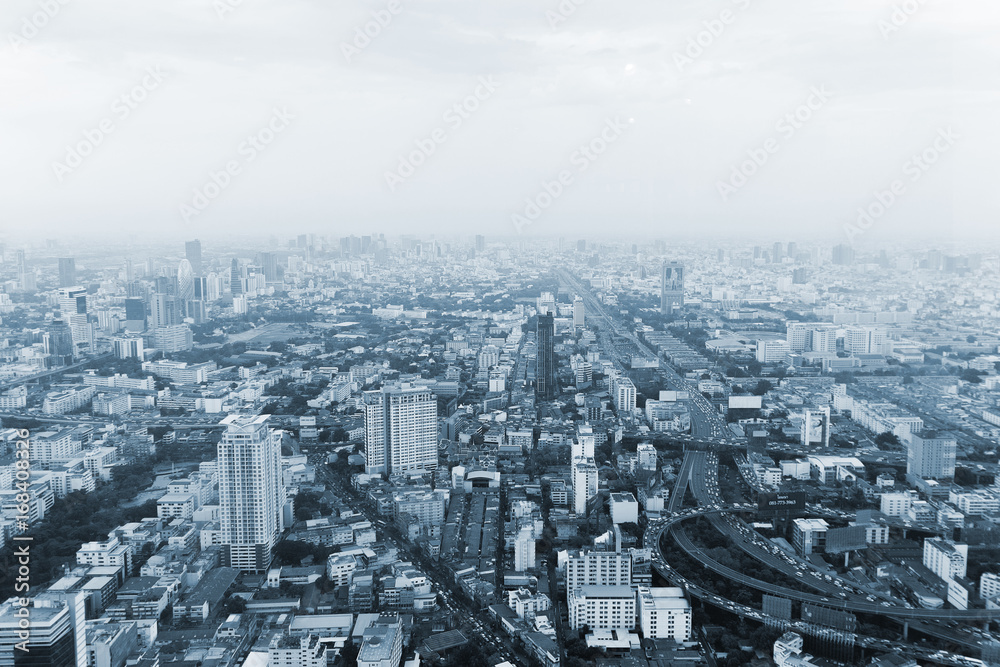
[689, 118]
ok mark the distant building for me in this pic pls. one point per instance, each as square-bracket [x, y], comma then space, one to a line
[671, 287]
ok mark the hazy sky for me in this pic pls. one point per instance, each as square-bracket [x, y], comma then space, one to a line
[201, 76]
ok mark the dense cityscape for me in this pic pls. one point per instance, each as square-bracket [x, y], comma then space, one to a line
[385, 451]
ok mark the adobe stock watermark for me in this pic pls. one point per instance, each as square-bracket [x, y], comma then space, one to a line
[581, 158]
[32, 26]
[704, 39]
[121, 109]
[365, 34]
[562, 13]
[913, 170]
[248, 151]
[425, 147]
[224, 8]
[786, 128]
[901, 15]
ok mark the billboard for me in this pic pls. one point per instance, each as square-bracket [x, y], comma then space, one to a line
[831, 618]
[745, 402]
[852, 538]
[776, 607]
[781, 502]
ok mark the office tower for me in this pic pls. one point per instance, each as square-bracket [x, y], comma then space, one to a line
[67, 272]
[60, 341]
[164, 311]
[192, 251]
[236, 278]
[57, 636]
[400, 430]
[598, 568]
[671, 287]
[793, 249]
[269, 265]
[931, 455]
[73, 307]
[185, 281]
[800, 276]
[545, 373]
[135, 315]
[25, 277]
[579, 313]
[777, 253]
[664, 613]
[480, 243]
[843, 255]
[251, 492]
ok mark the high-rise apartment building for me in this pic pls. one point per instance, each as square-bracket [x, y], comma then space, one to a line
[401, 430]
[931, 455]
[671, 287]
[545, 374]
[251, 492]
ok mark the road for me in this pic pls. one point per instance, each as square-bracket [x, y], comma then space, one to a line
[453, 598]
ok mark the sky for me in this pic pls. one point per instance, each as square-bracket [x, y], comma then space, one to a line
[861, 120]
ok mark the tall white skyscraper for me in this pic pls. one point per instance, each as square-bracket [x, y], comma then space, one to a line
[251, 492]
[401, 430]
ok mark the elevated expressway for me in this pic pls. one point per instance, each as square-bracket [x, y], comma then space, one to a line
[695, 470]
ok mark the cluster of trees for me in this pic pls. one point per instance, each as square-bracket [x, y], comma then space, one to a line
[81, 517]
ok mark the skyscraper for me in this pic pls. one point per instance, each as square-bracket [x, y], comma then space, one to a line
[579, 313]
[251, 492]
[192, 251]
[931, 455]
[57, 636]
[235, 278]
[480, 243]
[185, 285]
[545, 373]
[67, 272]
[671, 287]
[401, 430]
[269, 265]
